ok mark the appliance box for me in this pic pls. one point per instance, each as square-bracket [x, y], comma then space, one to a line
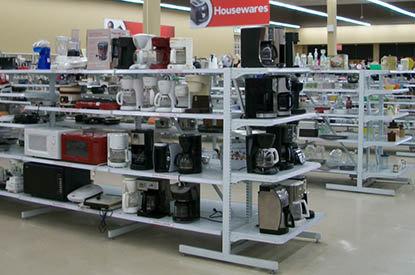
[99, 47]
[44, 142]
[85, 146]
[53, 182]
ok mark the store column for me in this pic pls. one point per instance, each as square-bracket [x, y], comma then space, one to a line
[151, 17]
[331, 27]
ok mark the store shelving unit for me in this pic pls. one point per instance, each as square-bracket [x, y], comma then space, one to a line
[366, 173]
[238, 226]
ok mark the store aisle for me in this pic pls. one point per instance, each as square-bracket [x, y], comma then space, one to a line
[362, 234]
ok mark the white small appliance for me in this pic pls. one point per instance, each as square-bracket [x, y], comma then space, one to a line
[44, 142]
[149, 93]
[85, 192]
[213, 62]
[118, 156]
[131, 94]
[183, 98]
[15, 183]
[131, 196]
[181, 53]
[166, 98]
[145, 56]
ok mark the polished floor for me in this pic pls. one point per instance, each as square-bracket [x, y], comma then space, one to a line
[362, 234]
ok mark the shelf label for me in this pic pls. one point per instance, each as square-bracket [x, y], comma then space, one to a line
[219, 13]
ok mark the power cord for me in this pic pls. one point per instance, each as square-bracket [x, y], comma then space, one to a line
[215, 215]
[104, 214]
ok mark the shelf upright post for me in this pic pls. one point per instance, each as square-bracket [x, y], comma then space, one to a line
[227, 138]
[52, 97]
[360, 136]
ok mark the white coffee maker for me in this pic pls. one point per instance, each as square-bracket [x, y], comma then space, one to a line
[131, 196]
[181, 53]
[165, 100]
[145, 56]
[183, 98]
[15, 182]
[118, 156]
[130, 97]
[149, 93]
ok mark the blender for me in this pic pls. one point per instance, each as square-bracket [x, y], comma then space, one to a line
[199, 88]
[182, 98]
[181, 53]
[144, 56]
[165, 99]
[161, 47]
[149, 93]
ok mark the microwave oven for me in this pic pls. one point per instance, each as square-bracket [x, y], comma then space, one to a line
[51, 181]
[86, 146]
[44, 142]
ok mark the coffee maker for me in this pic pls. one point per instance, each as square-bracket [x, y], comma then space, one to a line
[130, 96]
[190, 160]
[155, 197]
[102, 50]
[284, 144]
[283, 97]
[262, 157]
[299, 208]
[123, 50]
[262, 47]
[274, 214]
[291, 39]
[130, 195]
[144, 55]
[199, 88]
[149, 93]
[259, 98]
[118, 150]
[181, 53]
[161, 48]
[164, 156]
[142, 149]
[187, 202]
[166, 98]
[296, 88]
[181, 93]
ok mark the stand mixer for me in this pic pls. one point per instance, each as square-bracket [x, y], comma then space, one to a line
[199, 88]
[165, 100]
[182, 97]
[144, 56]
[149, 93]
[181, 53]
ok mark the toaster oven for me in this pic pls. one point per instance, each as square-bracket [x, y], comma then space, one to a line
[85, 146]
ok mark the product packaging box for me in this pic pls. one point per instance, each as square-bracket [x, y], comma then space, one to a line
[99, 48]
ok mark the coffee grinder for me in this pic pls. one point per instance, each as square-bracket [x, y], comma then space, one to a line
[199, 88]
[155, 198]
[259, 98]
[283, 97]
[274, 214]
[187, 202]
[181, 53]
[123, 50]
[142, 149]
[262, 47]
[262, 157]
[284, 144]
[161, 47]
[190, 160]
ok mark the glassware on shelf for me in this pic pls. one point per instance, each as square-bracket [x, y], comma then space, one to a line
[310, 152]
[335, 159]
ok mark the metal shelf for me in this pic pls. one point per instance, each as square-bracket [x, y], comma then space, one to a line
[242, 176]
[217, 116]
[386, 173]
[251, 232]
[384, 117]
[318, 90]
[239, 123]
[69, 110]
[15, 102]
[20, 126]
[12, 95]
[386, 143]
[352, 116]
[386, 92]
[351, 140]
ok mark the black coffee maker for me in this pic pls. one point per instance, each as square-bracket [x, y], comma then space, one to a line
[155, 198]
[283, 99]
[190, 160]
[284, 144]
[262, 157]
[123, 50]
[187, 202]
[259, 98]
[142, 142]
[296, 88]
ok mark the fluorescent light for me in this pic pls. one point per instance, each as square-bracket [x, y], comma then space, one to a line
[318, 13]
[392, 7]
[285, 25]
[175, 7]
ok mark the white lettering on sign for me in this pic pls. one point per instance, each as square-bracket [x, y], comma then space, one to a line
[241, 10]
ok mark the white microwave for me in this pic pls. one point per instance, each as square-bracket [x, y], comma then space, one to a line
[44, 142]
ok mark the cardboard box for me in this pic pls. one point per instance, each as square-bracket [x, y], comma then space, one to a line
[99, 50]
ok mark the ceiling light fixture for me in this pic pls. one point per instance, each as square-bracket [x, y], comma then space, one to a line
[392, 7]
[285, 25]
[318, 13]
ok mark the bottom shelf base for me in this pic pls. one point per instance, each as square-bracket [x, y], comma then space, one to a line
[357, 189]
